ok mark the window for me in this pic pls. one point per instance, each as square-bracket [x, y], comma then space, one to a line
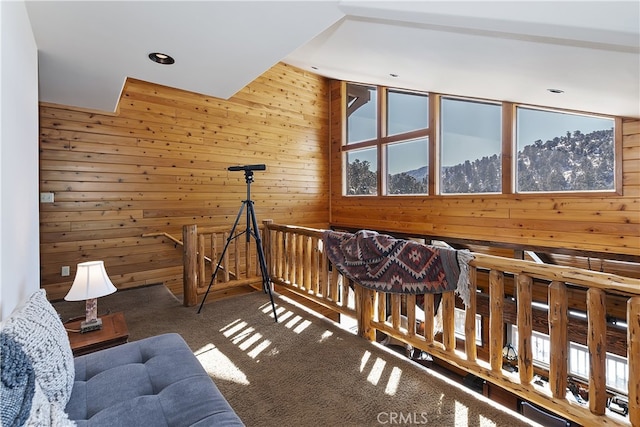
[559, 151]
[471, 147]
[617, 373]
[362, 113]
[617, 367]
[390, 150]
[459, 316]
[397, 140]
[361, 172]
[406, 112]
[540, 346]
[408, 167]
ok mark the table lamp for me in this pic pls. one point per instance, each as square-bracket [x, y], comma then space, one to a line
[90, 283]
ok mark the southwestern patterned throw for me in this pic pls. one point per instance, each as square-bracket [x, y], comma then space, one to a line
[387, 264]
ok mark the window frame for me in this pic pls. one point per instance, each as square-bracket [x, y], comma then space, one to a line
[440, 146]
[617, 153]
[382, 140]
[432, 133]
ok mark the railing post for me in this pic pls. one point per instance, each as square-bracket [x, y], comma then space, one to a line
[201, 264]
[381, 299]
[525, 328]
[292, 246]
[301, 257]
[471, 349]
[411, 315]
[448, 303]
[307, 258]
[189, 267]
[633, 354]
[496, 324]
[395, 311]
[429, 313]
[214, 251]
[323, 271]
[558, 310]
[268, 246]
[364, 312]
[596, 341]
[236, 259]
[225, 259]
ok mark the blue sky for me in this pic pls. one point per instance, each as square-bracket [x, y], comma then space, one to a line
[470, 130]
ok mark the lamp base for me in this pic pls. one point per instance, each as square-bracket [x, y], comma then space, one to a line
[92, 325]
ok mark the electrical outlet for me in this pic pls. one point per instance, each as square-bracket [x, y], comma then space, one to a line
[65, 270]
[46, 197]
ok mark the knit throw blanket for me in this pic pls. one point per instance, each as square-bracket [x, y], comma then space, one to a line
[18, 382]
[384, 263]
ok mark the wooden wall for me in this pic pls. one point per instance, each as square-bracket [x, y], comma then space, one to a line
[161, 162]
[606, 224]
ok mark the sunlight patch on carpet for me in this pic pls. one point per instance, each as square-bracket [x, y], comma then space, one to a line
[376, 371]
[233, 327]
[219, 366]
[486, 422]
[365, 358]
[291, 323]
[249, 341]
[302, 326]
[242, 335]
[325, 336]
[394, 381]
[280, 310]
[284, 316]
[461, 415]
[259, 349]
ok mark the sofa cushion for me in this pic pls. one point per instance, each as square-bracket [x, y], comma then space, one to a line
[36, 326]
[155, 381]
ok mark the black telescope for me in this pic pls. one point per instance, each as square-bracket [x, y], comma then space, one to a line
[247, 168]
[252, 230]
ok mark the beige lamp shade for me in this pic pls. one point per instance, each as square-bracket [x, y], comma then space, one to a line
[91, 281]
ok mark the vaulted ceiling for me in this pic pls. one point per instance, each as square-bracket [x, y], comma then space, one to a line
[502, 50]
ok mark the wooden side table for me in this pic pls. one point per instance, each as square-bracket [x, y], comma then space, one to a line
[114, 332]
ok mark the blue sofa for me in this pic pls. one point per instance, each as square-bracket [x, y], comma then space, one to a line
[156, 381]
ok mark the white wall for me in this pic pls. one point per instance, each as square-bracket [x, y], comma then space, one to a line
[19, 194]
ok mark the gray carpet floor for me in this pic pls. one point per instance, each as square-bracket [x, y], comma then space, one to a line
[302, 371]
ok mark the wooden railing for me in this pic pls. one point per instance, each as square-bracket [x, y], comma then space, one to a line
[202, 247]
[296, 260]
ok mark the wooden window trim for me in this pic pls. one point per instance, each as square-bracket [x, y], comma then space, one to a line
[508, 146]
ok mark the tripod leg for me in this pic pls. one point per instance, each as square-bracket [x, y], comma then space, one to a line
[229, 239]
[266, 280]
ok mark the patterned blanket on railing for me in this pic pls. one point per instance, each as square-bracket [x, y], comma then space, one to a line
[387, 264]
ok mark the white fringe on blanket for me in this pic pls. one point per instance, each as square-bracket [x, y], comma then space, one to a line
[464, 257]
[462, 289]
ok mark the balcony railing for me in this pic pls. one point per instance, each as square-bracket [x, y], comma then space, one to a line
[296, 260]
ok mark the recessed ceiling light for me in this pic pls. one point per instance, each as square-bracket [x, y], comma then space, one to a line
[313, 67]
[393, 75]
[555, 90]
[161, 58]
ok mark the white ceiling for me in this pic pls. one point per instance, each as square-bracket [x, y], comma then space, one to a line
[500, 50]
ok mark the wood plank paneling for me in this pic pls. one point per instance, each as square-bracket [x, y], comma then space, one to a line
[161, 162]
[603, 223]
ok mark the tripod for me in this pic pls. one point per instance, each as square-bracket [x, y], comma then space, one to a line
[251, 230]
